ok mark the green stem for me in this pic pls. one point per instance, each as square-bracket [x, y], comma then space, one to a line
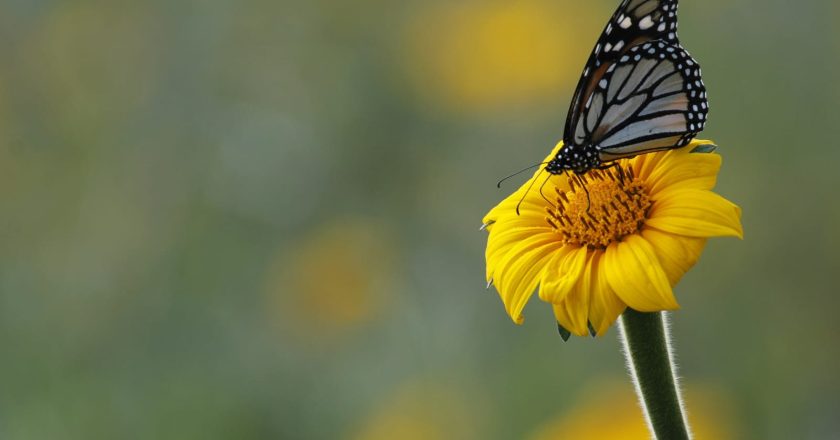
[649, 358]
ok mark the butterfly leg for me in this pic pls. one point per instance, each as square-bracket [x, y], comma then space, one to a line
[543, 194]
[533, 180]
[586, 190]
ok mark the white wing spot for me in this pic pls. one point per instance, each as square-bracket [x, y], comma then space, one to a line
[646, 23]
[626, 23]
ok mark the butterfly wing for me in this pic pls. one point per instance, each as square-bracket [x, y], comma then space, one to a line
[633, 23]
[652, 98]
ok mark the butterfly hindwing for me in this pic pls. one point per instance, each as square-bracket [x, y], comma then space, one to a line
[633, 23]
[652, 98]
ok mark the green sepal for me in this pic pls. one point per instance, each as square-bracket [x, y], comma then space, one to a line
[705, 148]
[591, 329]
[565, 334]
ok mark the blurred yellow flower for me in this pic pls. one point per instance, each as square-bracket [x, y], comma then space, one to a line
[642, 225]
[710, 416]
[334, 280]
[421, 411]
[476, 55]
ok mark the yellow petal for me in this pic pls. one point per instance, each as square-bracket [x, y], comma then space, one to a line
[604, 305]
[676, 254]
[695, 213]
[530, 210]
[570, 301]
[644, 164]
[561, 275]
[697, 142]
[519, 272]
[634, 273]
[684, 169]
[502, 240]
[563, 314]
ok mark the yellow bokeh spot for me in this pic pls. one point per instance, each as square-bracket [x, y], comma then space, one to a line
[333, 280]
[609, 411]
[419, 411]
[470, 56]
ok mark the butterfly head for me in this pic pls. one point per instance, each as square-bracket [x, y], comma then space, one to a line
[577, 158]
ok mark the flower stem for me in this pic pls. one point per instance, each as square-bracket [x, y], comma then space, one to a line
[647, 348]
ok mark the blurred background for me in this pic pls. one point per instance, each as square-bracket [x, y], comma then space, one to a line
[260, 220]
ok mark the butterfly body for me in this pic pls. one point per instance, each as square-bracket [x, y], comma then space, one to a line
[640, 91]
[576, 158]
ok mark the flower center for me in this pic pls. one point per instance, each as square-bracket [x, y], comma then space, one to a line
[616, 206]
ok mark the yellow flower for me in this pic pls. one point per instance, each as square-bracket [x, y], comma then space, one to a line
[627, 242]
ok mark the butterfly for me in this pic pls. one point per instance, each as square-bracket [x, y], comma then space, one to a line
[640, 91]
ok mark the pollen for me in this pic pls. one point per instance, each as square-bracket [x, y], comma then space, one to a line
[602, 207]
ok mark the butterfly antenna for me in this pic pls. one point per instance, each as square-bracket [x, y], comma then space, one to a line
[543, 195]
[534, 179]
[499, 184]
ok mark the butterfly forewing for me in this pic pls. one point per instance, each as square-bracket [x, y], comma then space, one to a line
[633, 23]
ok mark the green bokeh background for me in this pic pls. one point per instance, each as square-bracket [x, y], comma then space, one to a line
[260, 220]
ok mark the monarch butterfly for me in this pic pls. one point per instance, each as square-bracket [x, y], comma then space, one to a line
[640, 91]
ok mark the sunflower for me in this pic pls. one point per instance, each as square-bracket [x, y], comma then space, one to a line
[613, 238]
